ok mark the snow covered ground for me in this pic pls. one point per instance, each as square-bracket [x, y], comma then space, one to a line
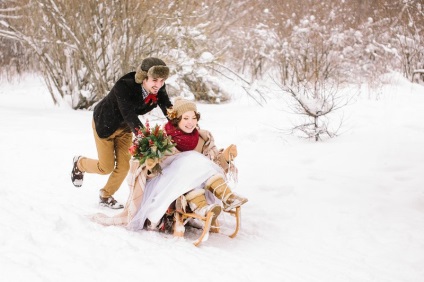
[347, 209]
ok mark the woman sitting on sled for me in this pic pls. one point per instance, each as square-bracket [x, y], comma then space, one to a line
[195, 168]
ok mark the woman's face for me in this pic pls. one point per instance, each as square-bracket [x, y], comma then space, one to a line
[188, 122]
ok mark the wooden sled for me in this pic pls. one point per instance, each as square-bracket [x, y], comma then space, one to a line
[182, 214]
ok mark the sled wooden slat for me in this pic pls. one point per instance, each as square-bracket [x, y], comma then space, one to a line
[237, 214]
[206, 228]
[179, 228]
[181, 218]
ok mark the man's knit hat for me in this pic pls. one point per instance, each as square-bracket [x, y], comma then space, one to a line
[181, 106]
[153, 67]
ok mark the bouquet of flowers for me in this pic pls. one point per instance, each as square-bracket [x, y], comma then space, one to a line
[150, 145]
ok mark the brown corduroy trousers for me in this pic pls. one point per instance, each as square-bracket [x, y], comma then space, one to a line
[113, 159]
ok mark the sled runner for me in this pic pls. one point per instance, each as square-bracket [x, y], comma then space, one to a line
[182, 214]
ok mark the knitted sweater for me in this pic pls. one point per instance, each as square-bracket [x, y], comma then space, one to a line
[122, 106]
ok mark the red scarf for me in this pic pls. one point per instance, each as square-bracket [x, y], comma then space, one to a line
[151, 97]
[183, 141]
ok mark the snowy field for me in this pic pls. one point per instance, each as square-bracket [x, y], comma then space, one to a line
[347, 209]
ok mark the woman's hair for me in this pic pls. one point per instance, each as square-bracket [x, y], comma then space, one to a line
[176, 121]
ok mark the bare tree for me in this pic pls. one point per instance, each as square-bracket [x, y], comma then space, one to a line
[74, 54]
[311, 72]
[81, 59]
[82, 48]
[13, 58]
[199, 36]
[315, 103]
[409, 32]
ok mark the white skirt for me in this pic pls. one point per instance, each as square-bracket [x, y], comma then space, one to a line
[187, 171]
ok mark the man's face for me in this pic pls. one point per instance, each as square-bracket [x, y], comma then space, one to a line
[152, 85]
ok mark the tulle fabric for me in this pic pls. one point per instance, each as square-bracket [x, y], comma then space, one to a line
[188, 170]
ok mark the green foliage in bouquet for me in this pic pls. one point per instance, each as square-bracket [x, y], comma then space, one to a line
[150, 145]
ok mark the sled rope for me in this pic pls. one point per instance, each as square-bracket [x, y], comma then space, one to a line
[232, 174]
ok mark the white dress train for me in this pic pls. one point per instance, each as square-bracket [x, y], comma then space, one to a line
[182, 173]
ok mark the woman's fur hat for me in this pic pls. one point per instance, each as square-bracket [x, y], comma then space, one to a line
[152, 67]
[181, 106]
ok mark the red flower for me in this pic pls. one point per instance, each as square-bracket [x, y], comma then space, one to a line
[147, 125]
[133, 149]
[139, 132]
[156, 130]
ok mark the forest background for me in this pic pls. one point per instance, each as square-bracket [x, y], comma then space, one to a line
[310, 48]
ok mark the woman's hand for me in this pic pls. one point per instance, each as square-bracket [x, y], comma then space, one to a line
[230, 152]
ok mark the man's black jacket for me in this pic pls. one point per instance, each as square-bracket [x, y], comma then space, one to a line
[122, 106]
